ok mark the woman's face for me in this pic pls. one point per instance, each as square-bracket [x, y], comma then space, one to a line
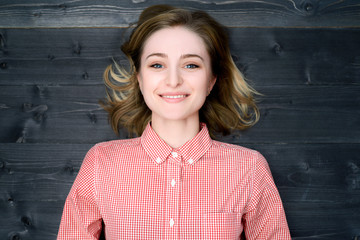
[175, 74]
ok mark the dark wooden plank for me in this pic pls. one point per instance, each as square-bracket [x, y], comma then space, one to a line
[266, 56]
[30, 220]
[49, 169]
[61, 44]
[112, 13]
[319, 185]
[298, 56]
[320, 188]
[312, 114]
[78, 71]
[34, 182]
[57, 56]
[54, 114]
[62, 114]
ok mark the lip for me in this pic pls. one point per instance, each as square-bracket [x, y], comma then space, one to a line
[173, 97]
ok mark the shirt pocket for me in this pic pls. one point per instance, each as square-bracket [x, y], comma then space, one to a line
[221, 226]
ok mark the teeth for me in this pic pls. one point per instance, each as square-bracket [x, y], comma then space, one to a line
[176, 96]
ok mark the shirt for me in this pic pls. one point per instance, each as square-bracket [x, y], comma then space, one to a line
[142, 188]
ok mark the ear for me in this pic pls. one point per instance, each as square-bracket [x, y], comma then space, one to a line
[138, 77]
[212, 83]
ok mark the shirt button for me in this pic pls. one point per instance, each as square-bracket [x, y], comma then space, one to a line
[174, 154]
[173, 182]
[191, 160]
[158, 160]
[171, 222]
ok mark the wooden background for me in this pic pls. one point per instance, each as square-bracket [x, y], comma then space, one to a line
[303, 55]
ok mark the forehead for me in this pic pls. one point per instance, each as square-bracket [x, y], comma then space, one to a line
[175, 41]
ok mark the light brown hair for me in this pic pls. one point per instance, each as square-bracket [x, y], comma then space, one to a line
[229, 106]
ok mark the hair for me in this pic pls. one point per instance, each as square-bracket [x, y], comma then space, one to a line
[230, 105]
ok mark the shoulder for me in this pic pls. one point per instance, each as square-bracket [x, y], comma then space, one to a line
[115, 146]
[227, 148]
[119, 143]
[238, 154]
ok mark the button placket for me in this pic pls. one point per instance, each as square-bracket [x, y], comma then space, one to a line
[173, 182]
[171, 222]
[172, 197]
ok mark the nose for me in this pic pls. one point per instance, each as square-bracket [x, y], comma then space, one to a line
[174, 78]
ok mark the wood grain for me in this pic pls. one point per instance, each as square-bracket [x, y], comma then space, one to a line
[34, 182]
[61, 114]
[273, 56]
[112, 13]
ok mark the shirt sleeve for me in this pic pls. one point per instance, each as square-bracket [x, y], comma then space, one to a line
[265, 217]
[81, 217]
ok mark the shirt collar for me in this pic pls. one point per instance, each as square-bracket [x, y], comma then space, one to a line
[158, 150]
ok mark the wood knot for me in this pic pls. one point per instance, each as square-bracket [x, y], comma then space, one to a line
[277, 49]
[27, 107]
[85, 76]
[10, 171]
[26, 221]
[51, 57]
[39, 112]
[353, 177]
[353, 168]
[266, 112]
[305, 166]
[39, 117]
[309, 7]
[92, 117]
[37, 14]
[77, 48]
[3, 65]
[69, 168]
[62, 6]
[15, 236]
[2, 42]
[40, 90]
[21, 139]
[11, 200]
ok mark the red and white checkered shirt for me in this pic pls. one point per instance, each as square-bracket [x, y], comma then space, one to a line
[144, 189]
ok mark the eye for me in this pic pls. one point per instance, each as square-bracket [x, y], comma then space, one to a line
[156, 65]
[191, 66]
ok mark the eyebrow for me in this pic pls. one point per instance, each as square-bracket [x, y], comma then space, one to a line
[158, 55]
[182, 56]
[192, 55]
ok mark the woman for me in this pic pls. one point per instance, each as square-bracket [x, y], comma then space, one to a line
[175, 182]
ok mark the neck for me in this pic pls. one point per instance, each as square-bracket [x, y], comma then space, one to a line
[176, 133]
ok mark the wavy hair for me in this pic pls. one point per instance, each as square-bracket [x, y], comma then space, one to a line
[230, 105]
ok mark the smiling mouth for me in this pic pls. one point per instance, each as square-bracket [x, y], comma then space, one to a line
[173, 97]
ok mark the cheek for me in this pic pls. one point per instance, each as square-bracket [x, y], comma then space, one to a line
[145, 83]
[147, 88]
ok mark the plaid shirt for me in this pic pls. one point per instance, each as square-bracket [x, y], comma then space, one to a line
[143, 189]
